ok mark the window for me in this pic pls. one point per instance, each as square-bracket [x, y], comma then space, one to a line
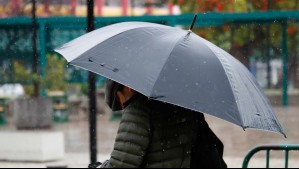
[4, 2]
[81, 2]
[59, 2]
[138, 3]
[113, 3]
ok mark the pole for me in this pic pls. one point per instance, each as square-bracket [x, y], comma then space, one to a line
[132, 7]
[13, 4]
[170, 8]
[47, 7]
[125, 4]
[16, 6]
[92, 91]
[100, 5]
[73, 7]
[268, 46]
[34, 49]
[285, 99]
[149, 7]
[42, 55]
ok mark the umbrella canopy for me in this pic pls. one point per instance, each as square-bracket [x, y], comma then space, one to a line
[177, 67]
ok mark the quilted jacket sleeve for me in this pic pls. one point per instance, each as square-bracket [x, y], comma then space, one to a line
[132, 140]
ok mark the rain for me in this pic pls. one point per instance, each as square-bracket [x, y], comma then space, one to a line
[238, 67]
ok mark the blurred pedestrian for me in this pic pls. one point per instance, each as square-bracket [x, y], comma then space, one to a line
[153, 134]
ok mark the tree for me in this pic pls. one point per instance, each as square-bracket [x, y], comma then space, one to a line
[244, 40]
[54, 79]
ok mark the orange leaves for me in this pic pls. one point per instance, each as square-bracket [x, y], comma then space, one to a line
[292, 30]
[220, 7]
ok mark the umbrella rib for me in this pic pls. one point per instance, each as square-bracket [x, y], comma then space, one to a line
[229, 80]
[177, 43]
[146, 44]
[222, 57]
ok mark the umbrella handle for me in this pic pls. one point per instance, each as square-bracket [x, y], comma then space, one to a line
[95, 165]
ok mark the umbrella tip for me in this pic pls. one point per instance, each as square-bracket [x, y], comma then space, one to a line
[193, 23]
[285, 135]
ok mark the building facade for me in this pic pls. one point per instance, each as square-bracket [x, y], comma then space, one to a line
[46, 8]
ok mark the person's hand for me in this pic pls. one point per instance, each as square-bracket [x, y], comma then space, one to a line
[95, 165]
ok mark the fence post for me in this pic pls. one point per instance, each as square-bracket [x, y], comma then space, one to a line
[287, 148]
[42, 53]
[285, 63]
[268, 159]
[287, 159]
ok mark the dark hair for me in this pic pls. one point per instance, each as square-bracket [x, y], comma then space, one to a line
[112, 88]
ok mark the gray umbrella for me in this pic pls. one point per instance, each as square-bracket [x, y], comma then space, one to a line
[177, 67]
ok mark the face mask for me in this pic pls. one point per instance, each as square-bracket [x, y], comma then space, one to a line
[110, 95]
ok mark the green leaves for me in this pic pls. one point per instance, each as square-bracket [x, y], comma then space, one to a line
[55, 74]
[53, 80]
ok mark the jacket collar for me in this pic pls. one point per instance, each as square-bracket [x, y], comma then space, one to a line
[132, 99]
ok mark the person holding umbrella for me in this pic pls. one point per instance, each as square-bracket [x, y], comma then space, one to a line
[159, 64]
[154, 134]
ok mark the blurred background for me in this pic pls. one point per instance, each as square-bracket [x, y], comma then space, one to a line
[29, 68]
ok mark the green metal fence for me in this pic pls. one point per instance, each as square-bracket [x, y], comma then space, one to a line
[52, 32]
[268, 149]
[3, 111]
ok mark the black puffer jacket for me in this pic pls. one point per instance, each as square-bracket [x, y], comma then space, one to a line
[158, 135]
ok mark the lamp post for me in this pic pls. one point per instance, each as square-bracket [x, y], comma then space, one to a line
[92, 91]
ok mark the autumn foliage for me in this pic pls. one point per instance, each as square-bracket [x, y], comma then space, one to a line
[236, 5]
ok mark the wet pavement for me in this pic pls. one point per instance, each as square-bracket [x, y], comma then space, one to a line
[237, 142]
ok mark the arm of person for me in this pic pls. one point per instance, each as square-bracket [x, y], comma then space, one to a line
[132, 140]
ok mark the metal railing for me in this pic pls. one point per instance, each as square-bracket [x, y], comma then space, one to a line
[268, 149]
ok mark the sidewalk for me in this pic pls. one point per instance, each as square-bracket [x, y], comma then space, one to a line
[237, 142]
[82, 161]
[71, 161]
